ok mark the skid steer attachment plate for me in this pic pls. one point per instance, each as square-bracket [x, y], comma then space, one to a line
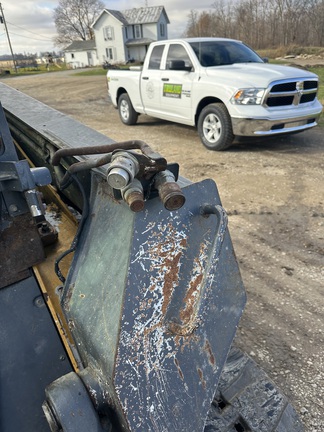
[154, 300]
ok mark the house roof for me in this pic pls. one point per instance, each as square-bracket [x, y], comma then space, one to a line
[81, 45]
[143, 15]
[118, 15]
[139, 42]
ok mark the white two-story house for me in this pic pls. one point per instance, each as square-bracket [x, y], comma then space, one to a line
[124, 36]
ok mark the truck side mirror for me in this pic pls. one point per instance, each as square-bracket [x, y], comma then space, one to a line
[177, 65]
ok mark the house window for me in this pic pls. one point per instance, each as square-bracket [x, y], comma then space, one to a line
[162, 29]
[72, 55]
[108, 33]
[138, 32]
[110, 53]
[126, 33]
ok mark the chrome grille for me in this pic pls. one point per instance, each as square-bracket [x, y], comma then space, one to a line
[296, 92]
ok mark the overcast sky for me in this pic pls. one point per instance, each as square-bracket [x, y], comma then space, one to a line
[31, 26]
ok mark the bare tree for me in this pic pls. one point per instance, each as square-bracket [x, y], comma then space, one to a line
[262, 23]
[315, 13]
[192, 29]
[73, 19]
[223, 13]
[206, 24]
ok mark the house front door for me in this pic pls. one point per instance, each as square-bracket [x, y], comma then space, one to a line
[90, 60]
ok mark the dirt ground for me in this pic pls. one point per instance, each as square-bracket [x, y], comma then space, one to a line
[273, 192]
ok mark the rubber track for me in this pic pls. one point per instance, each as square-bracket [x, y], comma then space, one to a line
[246, 400]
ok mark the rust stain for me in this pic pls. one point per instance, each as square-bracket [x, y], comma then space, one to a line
[160, 256]
[201, 377]
[191, 300]
[183, 243]
[211, 357]
[67, 298]
[176, 362]
[150, 350]
[170, 279]
[189, 311]
[71, 324]
[186, 342]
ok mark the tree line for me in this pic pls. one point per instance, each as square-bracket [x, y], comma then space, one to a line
[259, 23]
[262, 23]
[30, 56]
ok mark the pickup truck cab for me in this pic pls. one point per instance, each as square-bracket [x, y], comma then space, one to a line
[221, 86]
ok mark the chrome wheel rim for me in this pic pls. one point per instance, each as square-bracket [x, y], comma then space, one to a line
[124, 110]
[212, 128]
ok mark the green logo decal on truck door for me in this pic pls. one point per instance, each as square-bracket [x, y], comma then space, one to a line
[172, 90]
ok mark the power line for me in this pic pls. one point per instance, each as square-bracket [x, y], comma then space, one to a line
[27, 37]
[22, 28]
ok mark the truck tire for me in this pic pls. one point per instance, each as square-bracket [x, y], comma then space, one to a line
[215, 127]
[127, 113]
[247, 401]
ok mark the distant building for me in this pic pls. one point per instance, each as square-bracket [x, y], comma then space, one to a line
[81, 54]
[124, 36]
[7, 64]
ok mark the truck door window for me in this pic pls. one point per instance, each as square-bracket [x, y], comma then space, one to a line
[178, 52]
[156, 57]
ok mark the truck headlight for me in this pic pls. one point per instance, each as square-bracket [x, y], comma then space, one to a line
[251, 96]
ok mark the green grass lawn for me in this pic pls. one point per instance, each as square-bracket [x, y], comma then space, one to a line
[320, 72]
[32, 70]
[92, 72]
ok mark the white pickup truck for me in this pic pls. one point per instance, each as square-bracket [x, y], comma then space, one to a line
[221, 86]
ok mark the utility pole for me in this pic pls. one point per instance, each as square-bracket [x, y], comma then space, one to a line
[2, 20]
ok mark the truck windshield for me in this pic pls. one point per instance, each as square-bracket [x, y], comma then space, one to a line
[219, 53]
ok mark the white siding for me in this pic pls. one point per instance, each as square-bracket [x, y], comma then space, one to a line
[109, 37]
[150, 31]
[162, 21]
[79, 59]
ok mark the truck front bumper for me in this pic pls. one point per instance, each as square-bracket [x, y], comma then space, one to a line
[269, 126]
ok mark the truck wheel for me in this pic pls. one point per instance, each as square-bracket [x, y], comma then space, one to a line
[126, 111]
[215, 127]
[246, 400]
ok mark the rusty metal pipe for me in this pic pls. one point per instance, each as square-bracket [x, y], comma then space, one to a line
[82, 166]
[108, 148]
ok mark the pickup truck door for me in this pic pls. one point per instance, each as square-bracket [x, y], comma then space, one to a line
[150, 83]
[177, 81]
